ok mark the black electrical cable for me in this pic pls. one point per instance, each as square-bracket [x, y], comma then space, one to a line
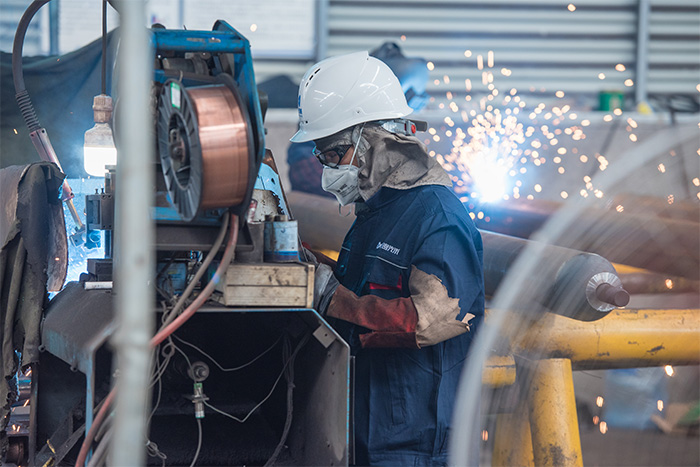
[199, 442]
[21, 94]
[289, 376]
[236, 368]
[104, 47]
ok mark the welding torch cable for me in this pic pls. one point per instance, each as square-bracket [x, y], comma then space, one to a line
[167, 318]
[167, 331]
[100, 454]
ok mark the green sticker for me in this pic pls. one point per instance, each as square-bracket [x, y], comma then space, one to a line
[175, 95]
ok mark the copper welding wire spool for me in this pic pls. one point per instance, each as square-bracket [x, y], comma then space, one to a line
[223, 133]
[205, 146]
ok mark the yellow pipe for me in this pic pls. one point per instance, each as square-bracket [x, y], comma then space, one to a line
[512, 441]
[626, 269]
[623, 339]
[498, 371]
[553, 421]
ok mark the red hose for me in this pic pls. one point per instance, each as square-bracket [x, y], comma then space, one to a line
[165, 332]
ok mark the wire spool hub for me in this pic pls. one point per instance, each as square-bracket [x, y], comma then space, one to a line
[205, 144]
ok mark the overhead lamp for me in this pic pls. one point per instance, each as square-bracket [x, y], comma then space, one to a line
[99, 150]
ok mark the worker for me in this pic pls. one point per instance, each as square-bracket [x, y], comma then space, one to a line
[407, 292]
[412, 72]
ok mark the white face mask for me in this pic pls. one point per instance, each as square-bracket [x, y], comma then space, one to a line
[342, 180]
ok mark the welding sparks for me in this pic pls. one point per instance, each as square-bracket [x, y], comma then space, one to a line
[253, 27]
[669, 286]
[493, 144]
[15, 130]
[571, 7]
[629, 83]
[696, 181]
[660, 405]
[599, 401]
[601, 75]
[669, 370]
[484, 435]
[603, 427]
[430, 65]
[620, 67]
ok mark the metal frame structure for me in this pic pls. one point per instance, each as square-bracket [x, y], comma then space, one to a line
[543, 428]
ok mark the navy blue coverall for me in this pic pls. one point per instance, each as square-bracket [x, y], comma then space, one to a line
[404, 398]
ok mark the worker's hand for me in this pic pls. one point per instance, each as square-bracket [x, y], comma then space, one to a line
[325, 285]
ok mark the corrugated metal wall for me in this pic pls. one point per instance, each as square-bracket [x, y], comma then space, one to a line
[36, 41]
[674, 47]
[537, 47]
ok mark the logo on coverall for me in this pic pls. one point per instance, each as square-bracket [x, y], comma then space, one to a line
[387, 247]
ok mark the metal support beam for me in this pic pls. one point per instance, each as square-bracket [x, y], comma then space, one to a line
[642, 64]
[623, 339]
[512, 440]
[133, 260]
[553, 420]
[498, 371]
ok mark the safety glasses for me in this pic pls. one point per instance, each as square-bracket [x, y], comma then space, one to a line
[332, 156]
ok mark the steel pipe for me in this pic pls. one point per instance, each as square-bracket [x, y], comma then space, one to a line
[666, 244]
[133, 259]
[579, 285]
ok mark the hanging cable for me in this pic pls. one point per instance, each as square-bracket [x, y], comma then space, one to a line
[288, 362]
[199, 442]
[289, 376]
[167, 331]
[21, 94]
[240, 367]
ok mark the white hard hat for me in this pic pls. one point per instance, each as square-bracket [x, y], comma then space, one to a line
[342, 91]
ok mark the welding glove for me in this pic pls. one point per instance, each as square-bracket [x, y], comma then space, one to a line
[429, 316]
[325, 285]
